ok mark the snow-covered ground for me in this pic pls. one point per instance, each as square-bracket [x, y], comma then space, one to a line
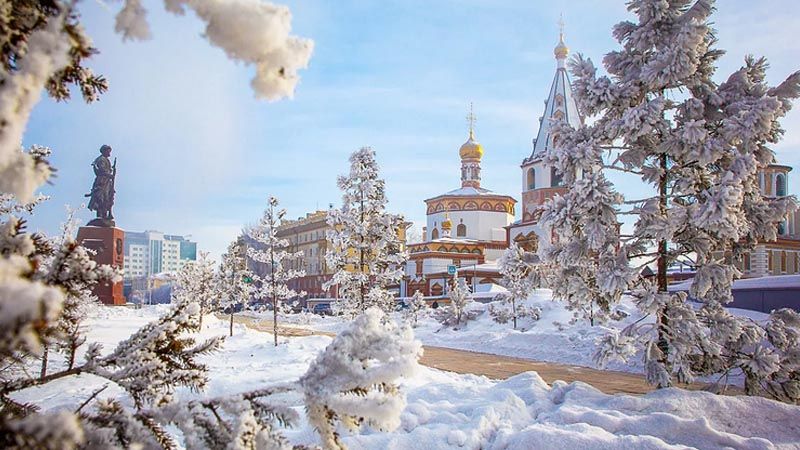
[552, 338]
[447, 410]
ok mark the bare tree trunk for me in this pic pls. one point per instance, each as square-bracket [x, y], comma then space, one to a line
[200, 324]
[275, 320]
[43, 372]
[663, 320]
[231, 324]
[272, 272]
[514, 311]
[71, 357]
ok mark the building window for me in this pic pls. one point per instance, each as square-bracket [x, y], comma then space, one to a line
[782, 228]
[783, 262]
[435, 234]
[770, 265]
[531, 178]
[747, 262]
[555, 178]
[461, 230]
[780, 185]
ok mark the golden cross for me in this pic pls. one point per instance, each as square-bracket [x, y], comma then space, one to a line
[561, 26]
[471, 120]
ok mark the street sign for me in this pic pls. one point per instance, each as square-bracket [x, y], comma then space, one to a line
[451, 269]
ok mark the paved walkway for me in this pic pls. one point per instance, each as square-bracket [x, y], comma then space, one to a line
[495, 366]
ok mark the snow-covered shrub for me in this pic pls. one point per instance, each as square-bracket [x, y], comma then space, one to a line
[456, 313]
[701, 146]
[501, 310]
[366, 251]
[416, 306]
[197, 283]
[353, 382]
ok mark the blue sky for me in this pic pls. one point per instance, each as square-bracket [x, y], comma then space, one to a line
[199, 155]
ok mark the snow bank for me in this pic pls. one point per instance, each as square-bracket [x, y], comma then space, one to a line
[447, 410]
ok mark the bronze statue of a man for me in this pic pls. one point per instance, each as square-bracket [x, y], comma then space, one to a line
[102, 195]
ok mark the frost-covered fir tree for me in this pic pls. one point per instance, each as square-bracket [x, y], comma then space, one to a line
[520, 277]
[71, 266]
[196, 283]
[415, 306]
[234, 279]
[700, 145]
[455, 314]
[366, 251]
[274, 252]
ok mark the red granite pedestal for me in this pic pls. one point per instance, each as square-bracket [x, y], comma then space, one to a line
[108, 243]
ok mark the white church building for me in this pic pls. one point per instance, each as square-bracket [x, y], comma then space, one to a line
[465, 229]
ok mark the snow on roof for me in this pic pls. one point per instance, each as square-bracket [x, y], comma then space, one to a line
[770, 282]
[469, 190]
[491, 265]
[489, 288]
[451, 240]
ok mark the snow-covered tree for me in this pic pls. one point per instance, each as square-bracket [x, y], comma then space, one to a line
[366, 251]
[415, 306]
[700, 145]
[273, 251]
[196, 283]
[234, 279]
[520, 277]
[456, 313]
[352, 382]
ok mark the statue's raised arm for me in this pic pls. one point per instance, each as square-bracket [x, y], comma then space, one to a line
[102, 195]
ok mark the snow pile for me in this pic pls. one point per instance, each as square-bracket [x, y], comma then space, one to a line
[446, 410]
[552, 338]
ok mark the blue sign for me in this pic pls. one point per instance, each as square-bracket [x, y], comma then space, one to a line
[451, 270]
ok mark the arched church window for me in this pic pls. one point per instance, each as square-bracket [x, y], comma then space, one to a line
[781, 228]
[435, 234]
[461, 230]
[531, 178]
[780, 185]
[555, 178]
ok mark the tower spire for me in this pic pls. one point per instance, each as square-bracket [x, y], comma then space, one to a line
[471, 119]
[561, 51]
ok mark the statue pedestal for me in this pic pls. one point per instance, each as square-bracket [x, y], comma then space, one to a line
[108, 243]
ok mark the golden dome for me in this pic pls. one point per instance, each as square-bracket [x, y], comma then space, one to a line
[561, 51]
[471, 149]
[447, 224]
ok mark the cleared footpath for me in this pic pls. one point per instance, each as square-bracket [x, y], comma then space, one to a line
[495, 366]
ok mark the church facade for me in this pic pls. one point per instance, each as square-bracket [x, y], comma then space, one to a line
[465, 228]
[782, 256]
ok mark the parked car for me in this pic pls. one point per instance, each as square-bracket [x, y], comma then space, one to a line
[323, 309]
